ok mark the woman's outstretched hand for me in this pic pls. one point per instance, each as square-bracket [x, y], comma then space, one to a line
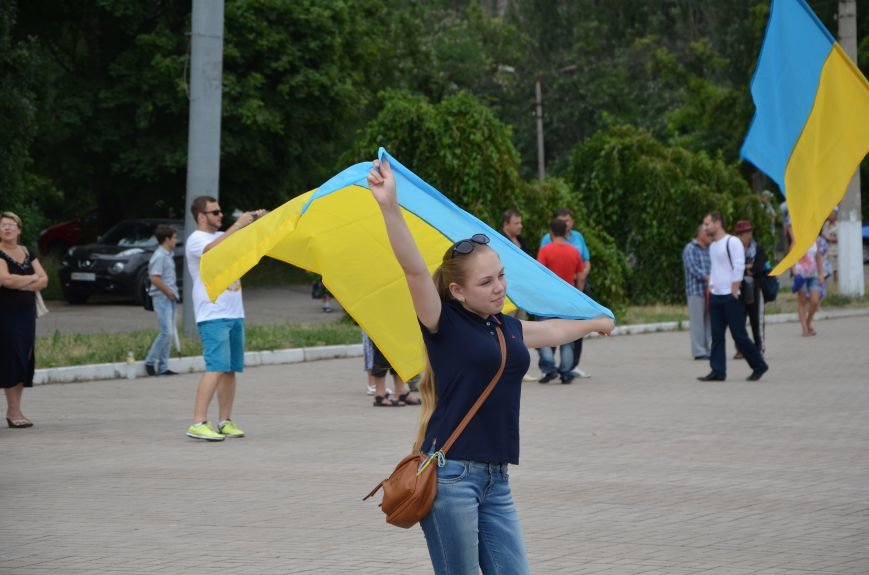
[381, 182]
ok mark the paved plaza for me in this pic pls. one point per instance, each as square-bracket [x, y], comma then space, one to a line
[639, 470]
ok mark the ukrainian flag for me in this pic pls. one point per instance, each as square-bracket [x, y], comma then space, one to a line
[811, 126]
[338, 231]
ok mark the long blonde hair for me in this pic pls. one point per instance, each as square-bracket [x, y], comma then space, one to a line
[453, 269]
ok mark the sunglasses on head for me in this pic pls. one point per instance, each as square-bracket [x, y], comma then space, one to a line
[214, 212]
[464, 247]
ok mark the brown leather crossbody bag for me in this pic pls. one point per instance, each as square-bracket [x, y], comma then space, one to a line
[410, 491]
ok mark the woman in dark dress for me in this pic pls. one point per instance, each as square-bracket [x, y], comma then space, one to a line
[21, 276]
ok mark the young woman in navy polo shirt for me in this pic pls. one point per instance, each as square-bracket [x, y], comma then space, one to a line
[473, 524]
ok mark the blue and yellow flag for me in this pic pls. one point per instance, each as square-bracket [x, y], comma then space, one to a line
[338, 231]
[811, 126]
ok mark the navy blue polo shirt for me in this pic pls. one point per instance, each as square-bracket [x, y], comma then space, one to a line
[464, 356]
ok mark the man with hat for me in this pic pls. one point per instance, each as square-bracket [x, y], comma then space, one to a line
[726, 309]
[755, 264]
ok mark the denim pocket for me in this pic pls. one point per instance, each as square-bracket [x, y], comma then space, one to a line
[452, 472]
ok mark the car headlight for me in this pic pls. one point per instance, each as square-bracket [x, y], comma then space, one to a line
[117, 267]
[131, 252]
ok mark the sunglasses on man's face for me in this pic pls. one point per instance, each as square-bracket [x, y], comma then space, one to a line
[214, 212]
[464, 247]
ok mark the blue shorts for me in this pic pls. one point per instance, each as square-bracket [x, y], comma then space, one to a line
[222, 344]
[812, 283]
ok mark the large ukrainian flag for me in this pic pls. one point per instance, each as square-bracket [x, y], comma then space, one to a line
[338, 231]
[811, 126]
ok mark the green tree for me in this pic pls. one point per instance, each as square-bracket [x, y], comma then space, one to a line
[456, 145]
[22, 191]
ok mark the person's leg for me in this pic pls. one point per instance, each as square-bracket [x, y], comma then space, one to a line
[735, 317]
[204, 392]
[707, 323]
[546, 363]
[226, 395]
[165, 317]
[696, 311]
[379, 369]
[401, 390]
[378, 376]
[215, 336]
[451, 528]
[752, 311]
[13, 402]
[565, 364]
[226, 386]
[502, 544]
[717, 358]
[802, 310]
[760, 336]
[814, 300]
[577, 353]
[158, 355]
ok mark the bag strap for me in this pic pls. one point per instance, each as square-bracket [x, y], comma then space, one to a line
[483, 396]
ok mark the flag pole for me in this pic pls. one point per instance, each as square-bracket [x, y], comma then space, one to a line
[850, 225]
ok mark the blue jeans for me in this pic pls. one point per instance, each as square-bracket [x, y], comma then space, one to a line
[547, 359]
[473, 523]
[164, 308]
[727, 311]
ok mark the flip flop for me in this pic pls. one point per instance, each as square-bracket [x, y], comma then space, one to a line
[19, 423]
[384, 401]
[408, 399]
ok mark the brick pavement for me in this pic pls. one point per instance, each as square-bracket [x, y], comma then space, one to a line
[639, 470]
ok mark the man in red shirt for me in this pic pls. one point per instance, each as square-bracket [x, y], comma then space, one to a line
[566, 262]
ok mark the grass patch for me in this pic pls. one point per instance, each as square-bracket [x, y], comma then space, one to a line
[653, 314]
[83, 349]
[51, 265]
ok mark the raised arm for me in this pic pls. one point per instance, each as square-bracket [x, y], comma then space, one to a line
[555, 332]
[426, 301]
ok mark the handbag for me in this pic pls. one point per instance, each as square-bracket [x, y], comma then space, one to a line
[769, 286]
[410, 490]
[41, 308]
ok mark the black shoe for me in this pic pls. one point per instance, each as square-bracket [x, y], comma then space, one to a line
[567, 379]
[757, 373]
[699, 357]
[169, 372]
[711, 376]
[547, 377]
[149, 369]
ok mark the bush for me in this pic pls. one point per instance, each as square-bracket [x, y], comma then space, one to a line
[650, 198]
[537, 201]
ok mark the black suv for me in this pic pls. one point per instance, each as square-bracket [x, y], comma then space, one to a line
[118, 262]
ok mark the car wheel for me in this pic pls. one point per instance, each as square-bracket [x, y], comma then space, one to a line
[74, 296]
[139, 286]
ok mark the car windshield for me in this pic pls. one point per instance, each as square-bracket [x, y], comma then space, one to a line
[131, 234]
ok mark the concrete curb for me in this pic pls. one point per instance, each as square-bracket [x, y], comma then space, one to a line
[99, 371]
[193, 364]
